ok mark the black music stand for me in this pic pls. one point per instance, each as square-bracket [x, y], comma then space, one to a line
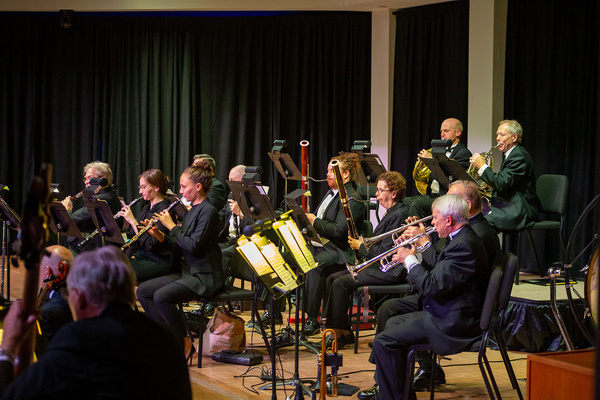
[446, 171]
[10, 219]
[104, 220]
[253, 200]
[286, 167]
[300, 218]
[62, 222]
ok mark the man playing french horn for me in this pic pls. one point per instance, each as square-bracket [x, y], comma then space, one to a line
[451, 129]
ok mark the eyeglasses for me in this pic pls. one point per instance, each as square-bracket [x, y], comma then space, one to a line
[143, 187]
[383, 190]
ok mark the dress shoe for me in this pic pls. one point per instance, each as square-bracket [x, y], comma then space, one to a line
[311, 327]
[422, 379]
[371, 393]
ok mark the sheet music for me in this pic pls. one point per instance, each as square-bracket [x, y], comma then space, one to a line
[282, 270]
[252, 253]
[295, 243]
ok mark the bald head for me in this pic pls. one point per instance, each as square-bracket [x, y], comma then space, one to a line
[51, 262]
[237, 173]
[451, 129]
[469, 191]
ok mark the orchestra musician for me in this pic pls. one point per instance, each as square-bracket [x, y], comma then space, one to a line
[152, 257]
[469, 191]
[217, 195]
[452, 295]
[201, 273]
[330, 223]
[391, 187]
[81, 216]
[53, 305]
[514, 204]
[451, 129]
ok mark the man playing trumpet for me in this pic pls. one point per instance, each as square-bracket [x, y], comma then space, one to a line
[452, 294]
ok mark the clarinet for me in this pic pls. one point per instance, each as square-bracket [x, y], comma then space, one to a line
[152, 222]
[91, 235]
[352, 231]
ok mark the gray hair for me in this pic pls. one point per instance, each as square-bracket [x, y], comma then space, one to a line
[512, 127]
[104, 276]
[102, 168]
[454, 206]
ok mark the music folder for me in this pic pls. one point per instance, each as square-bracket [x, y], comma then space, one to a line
[8, 215]
[104, 220]
[444, 170]
[286, 166]
[62, 223]
[253, 200]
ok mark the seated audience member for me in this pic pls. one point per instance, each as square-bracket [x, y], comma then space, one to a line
[110, 351]
[54, 307]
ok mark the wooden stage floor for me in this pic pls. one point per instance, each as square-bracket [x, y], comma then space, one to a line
[217, 381]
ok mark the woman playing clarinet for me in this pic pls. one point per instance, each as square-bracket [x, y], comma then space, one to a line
[152, 257]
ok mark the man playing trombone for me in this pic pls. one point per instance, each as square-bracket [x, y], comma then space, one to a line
[452, 295]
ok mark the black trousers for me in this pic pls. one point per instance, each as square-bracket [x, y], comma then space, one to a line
[338, 294]
[390, 351]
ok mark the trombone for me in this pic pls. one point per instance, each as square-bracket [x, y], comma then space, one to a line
[387, 264]
[368, 242]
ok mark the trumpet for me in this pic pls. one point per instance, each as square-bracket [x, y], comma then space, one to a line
[387, 264]
[91, 235]
[152, 222]
[368, 242]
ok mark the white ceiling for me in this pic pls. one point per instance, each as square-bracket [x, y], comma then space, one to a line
[208, 5]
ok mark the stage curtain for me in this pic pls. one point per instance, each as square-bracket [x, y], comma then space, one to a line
[430, 79]
[551, 88]
[150, 91]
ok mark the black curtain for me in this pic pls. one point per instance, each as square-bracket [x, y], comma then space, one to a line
[551, 88]
[150, 91]
[430, 79]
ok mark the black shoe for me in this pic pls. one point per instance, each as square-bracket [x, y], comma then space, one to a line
[422, 379]
[369, 394]
[311, 328]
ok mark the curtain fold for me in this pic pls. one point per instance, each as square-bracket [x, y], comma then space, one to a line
[430, 79]
[152, 91]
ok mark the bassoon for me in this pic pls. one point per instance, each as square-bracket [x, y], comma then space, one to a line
[352, 231]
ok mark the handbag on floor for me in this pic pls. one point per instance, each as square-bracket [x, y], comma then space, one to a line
[225, 331]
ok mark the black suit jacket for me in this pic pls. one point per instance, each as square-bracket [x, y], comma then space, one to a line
[461, 154]
[393, 219]
[121, 354]
[514, 204]
[217, 196]
[198, 239]
[489, 238]
[333, 225]
[453, 293]
[82, 217]
[224, 217]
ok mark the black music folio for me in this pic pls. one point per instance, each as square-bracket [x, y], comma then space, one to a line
[232, 357]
